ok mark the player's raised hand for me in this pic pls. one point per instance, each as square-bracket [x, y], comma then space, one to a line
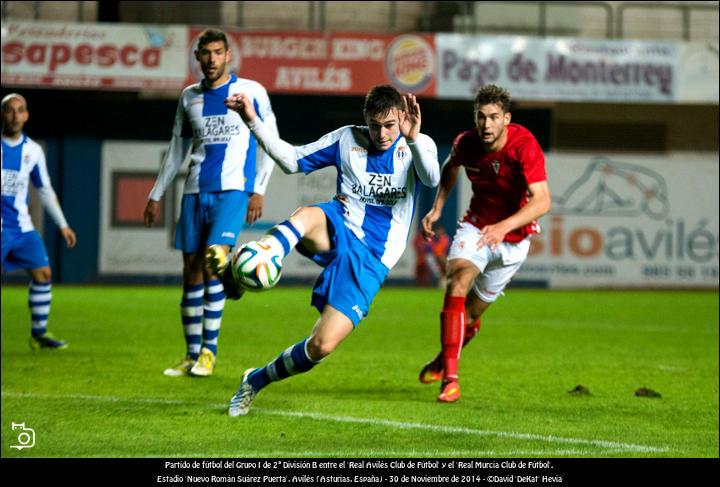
[243, 105]
[410, 118]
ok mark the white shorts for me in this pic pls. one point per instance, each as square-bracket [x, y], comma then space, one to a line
[496, 267]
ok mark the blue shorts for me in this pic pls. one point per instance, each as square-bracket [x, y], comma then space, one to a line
[352, 275]
[210, 219]
[23, 251]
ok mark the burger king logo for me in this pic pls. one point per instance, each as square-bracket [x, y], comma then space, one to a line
[409, 63]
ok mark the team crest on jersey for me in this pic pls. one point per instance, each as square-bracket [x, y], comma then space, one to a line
[402, 153]
[496, 165]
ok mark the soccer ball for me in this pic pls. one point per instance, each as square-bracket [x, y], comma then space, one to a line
[256, 267]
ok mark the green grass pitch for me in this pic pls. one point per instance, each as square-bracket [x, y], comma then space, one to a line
[106, 396]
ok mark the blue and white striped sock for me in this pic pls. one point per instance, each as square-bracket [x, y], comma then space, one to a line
[284, 236]
[214, 304]
[191, 309]
[295, 360]
[39, 297]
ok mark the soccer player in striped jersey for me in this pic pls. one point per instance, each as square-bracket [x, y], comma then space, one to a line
[506, 167]
[23, 162]
[225, 185]
[358, 236]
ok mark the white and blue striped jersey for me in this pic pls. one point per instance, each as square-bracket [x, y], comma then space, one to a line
[224, 153]
[23, 161]
[380, 188]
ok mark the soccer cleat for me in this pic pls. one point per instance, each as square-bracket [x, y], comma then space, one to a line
[232, 289]
[47, 340]
[182, 368]
[450, 392]
[216, 259]
[205, 364]
[243, 398]
[432, 372]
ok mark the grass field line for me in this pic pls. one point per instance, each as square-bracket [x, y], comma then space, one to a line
[604, 444]
[611, 445]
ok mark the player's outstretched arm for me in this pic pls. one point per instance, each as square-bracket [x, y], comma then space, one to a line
[280, 151]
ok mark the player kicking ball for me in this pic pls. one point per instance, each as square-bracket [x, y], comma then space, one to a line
[506, 167]
[359, 235]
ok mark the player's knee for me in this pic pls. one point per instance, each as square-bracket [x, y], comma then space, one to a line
[456, 285]
[44, 274]
[308, 216]
[191, 275]
[319, 348]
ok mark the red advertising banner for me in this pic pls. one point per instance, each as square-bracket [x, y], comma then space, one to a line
[333, 63]
[96, 56]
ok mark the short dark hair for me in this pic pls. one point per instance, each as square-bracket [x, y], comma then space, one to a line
[493, 94]
[381, 99]
[211, 35]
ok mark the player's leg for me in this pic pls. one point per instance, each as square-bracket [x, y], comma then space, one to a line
[223, 214]
[474, 309]
[499, 268]
[39, 300]
[464, 264]
[307, 224]
[461, 274]
[27, 251]
[343, 293]
[213, 307]
[330, 330]
[492, 282]
[187, 239]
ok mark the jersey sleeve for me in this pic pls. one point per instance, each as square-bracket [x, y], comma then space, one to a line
[531, 158]
[425, 160]
[263, 162]
[321, 153]
[41, 180]
[176, 154]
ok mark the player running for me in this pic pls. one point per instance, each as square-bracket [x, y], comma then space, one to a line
[225, 184]
[506, 167]
[357, 237]
[23, 162]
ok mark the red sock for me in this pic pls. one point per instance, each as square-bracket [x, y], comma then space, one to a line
[471, 330]
[452, 329]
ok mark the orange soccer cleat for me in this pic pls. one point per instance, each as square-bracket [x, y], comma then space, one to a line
[432, 371]
[450, 392]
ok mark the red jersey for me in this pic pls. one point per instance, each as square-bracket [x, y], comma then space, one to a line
[500, 179]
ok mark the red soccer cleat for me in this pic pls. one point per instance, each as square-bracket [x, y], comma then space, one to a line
[432, 372]
[450, 392]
